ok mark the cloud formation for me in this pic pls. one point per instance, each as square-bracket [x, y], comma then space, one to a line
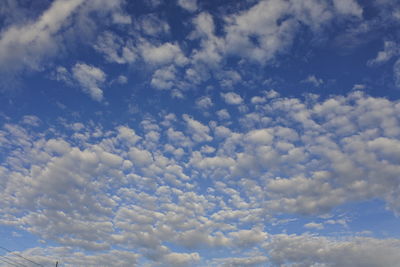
[78, 191]
[200, 133]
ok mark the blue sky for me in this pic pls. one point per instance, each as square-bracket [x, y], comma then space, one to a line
[200, 133]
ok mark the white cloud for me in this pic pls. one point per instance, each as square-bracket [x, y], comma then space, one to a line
[223, 114]
[308, 250]
[396, 73]
[127, 135]
[69, 257]
[260, 137]
[140, 157]
[212, 48]
[258, 100]
[348, 7]
[265, 30]
[232, 98]
[164, 78]
[313, 225]
[390, 50]
[312, 79]
[28, 45]
[199, 131]
[32, 45]
[189, 5]
[204, 102]
[122, 79]
[243, 262]
[229, 78]
[181, 259]
[359, 86]
[156, 187]
[166, 53]
[115, 49]
[256, 34]
[248, 238]
[153, 26]
[31, 120]
[90, 80]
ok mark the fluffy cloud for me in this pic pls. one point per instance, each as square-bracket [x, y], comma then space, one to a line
[255, 33]
[306, 250]
[232, 98]
[31, 45]
[214, 187]
[199, 131]
[348, 7]
[266, 29]
[189, 5]
[312, 79]
[26, 46]
[396, 73]
[390, 50]
[153, 25]
[90, 80]
[242, 262]
[211, 187]
[115, 49]
[68, 257]
[260, 33]
[166, 53]
[204, 102]
[164, 78]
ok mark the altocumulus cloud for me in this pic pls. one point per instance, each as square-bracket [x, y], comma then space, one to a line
[100, 188]
[200, 133]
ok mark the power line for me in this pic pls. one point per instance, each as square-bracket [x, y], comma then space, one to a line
[13, 253]
[9, 261]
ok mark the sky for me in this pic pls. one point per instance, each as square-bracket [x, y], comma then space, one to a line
[200, 133]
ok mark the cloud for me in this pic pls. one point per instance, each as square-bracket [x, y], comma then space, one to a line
[390, 50]
[122, 79]
[306, 250]
[232, 98]
[223, 114]
[90, 79]
[166, 53]
[212, 48]
[168, 190]
[180, 259]
[313, 225]
[32, 45]
[255, 33]
[313, 80]
[31, 120]
[69, 257]
[211, 188]
[346, 7]
[153, 25]
[359, 86]
[248, 238]
[204, 102]
[115, 49]
[28, 45]
[199, 131]
[396, 73]
[164, 78]
[189, 5]
[265, 30]
[243, 262]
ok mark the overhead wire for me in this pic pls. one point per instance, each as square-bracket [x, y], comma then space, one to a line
[18, 255]
[9, 261]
